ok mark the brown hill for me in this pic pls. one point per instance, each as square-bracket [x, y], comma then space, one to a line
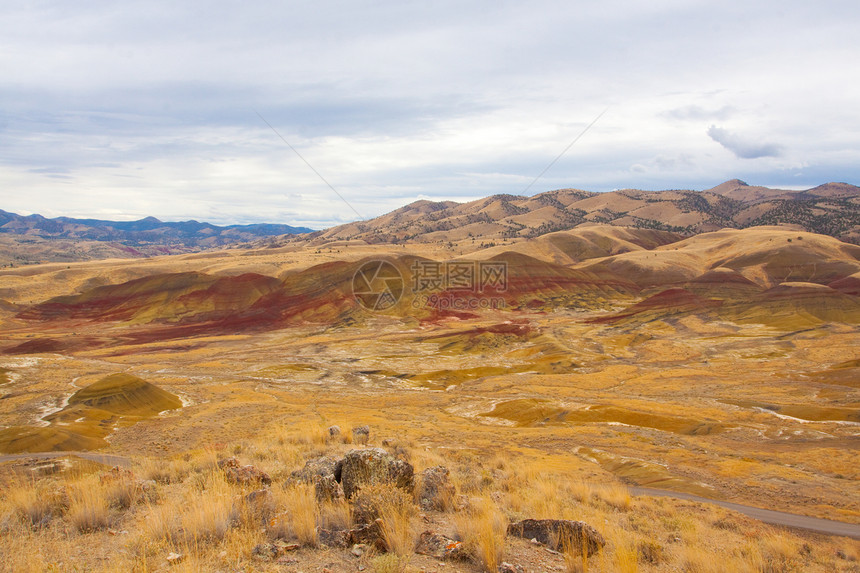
[766, 256]
[831, 209]
[584, 243]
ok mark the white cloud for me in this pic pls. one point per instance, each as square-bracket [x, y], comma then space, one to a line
[148, 107]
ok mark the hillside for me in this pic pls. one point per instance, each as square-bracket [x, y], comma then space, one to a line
[831, 209]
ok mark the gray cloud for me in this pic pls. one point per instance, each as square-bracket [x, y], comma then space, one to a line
[743, 148]
[699, 113]
[147, 107]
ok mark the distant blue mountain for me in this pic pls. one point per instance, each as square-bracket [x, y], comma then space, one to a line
[145, 231]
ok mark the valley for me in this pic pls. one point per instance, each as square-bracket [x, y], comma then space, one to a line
[723, 365]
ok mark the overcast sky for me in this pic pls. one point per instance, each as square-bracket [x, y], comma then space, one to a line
[120, 110]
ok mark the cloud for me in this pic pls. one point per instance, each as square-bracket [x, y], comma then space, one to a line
[699, 113]
[743, 148]
[150, 109]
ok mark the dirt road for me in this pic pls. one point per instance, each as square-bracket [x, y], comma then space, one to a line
[825, 526]
[105, 459]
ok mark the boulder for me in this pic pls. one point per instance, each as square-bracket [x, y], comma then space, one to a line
[333, 432]
[439, 546]
[505, 567]
[374, 466]
[370, 534]
[238, 474]
[560, 534]
[435, 490]
[316, 467]
[259, 503]
[361, 434]
[327, 488]
[333, 537]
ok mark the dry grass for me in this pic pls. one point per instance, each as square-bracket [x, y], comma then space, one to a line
[615, 495]
[397, 526]
[89, 506]
[389, 563]
[165, 471]
[208, 511]
[35, 503]
[334, 514]
[483, 530]
[297, 514]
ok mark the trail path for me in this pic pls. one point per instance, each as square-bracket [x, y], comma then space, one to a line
[825, 526]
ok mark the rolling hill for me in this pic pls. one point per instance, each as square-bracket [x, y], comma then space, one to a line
[830, 209]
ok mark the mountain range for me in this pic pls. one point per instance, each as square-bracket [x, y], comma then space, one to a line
[830, 209]
[34, 238]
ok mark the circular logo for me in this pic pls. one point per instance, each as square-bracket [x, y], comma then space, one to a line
[377, 285]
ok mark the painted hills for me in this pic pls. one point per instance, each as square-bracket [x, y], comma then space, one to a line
[830, 209]
[764, 275]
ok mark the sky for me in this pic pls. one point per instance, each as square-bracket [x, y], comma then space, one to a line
[122, 110]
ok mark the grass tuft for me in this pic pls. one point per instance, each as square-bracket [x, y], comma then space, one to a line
[483, 531]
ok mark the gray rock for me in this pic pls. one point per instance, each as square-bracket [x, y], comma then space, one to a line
[316, 467]
[374, 466]
[333, 537]
[439, 546]
[327, 488]
[361, 434]
[370, 534]
[435, 490]
[560, 534]
[243, 475]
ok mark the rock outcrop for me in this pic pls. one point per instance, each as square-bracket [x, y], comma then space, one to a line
[374, 466]
[560, 534]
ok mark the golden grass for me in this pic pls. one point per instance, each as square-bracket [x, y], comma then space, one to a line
[208, 512]
[615, 495]
[334, 514]
[389, 563]
[483, 530]
[89, 506]
[297, 514]
[35, 503]
[396, 513]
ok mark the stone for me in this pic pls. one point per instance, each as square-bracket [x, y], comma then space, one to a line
[116, 473]
[258, 499]
[435, 490]
[361, 434]
[560, 534]
[265, 551]
[238, 474]
[175, 558]
[439, 546]
[316, 467]
[327, 488]
[278, 548]
[374, 466]
[506, 567]
[333, 537]
[370, 535]
[333, 432]
[283, 547]
[359, 549]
